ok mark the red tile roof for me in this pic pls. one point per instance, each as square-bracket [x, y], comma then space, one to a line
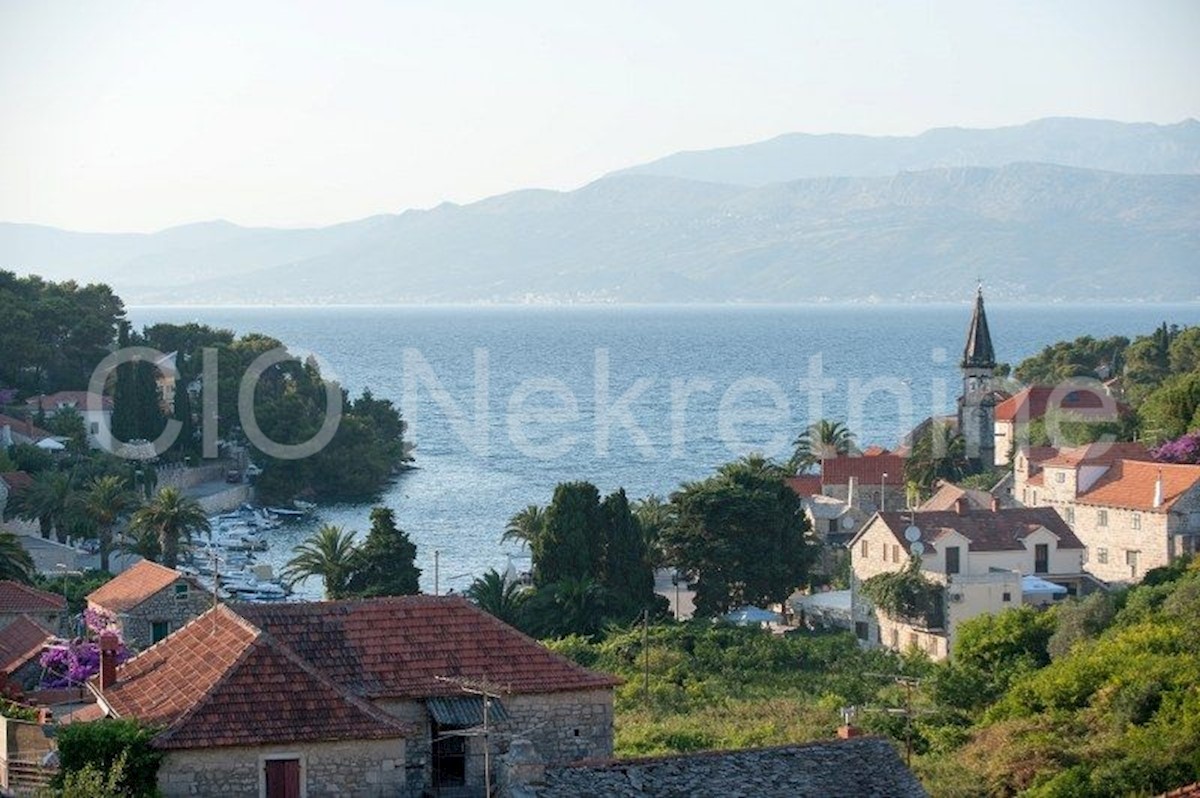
[18, 598]
[875, 451]
[76, 399]
[397, 647]
[988, 530]
[16, 480]
[868, 470]
[1130, 484]
[222, 681]
[1097, 454]
[805, 485]
[21, 641]
[134, 585]
[947, 494]
[1032, 403]
[25, 427]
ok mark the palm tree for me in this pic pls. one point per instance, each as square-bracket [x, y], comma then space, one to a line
[820, 441]
[174, 517]
[47, 501]
[104, 501]
[569, 606]
[526, 526]
[329, 554]
[498, 596]
[141, 543]
[655, 516]
[15, 562]
[940, 453]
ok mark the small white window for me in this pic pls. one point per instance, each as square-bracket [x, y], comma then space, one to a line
[1060, 477]
[1102, 556]
[1135, 521]
[1070, 515]
[1102, 518]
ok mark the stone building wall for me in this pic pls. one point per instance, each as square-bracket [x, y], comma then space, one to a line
[137, 624]
[351, 769]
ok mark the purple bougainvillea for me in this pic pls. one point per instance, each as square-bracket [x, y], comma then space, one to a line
[1184, 449]
[7, 395]
[67, 663]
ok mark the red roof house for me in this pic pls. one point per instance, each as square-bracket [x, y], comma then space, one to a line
[17, 600]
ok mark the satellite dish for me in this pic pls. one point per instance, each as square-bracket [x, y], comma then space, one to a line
[847, 522]
[912, 534]
[917, 548]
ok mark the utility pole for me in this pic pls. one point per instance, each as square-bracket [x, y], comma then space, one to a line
[487, 691]
[646, 656]
[908, 683]
[436, 555]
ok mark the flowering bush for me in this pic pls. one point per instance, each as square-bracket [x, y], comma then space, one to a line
[1184, 449]
[67, 663]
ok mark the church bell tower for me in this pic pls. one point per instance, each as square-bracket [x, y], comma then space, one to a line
[977, 405]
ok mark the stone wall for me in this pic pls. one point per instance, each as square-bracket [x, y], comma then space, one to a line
[183, 477]
[229, 499]
[352, 769]
[137, 624]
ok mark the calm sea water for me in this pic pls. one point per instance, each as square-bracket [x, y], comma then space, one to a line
[505, 402]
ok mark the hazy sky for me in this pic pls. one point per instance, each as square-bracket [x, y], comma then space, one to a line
[136, 116]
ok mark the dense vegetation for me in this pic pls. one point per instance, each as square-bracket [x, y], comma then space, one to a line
[1092, 698]
[104, 751]
[383, 565]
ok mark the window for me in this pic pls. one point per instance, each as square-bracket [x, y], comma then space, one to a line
[94, 429]
[1083, 558]
[952, 562]
[1070, 515]
[1102, 518]
[895, 552]
[1131, 559]
[1060, 477]
[1035, 497]
[1007, 597]
[159, 630]
[1041, 558]
[864, 549]
[913, 640]
[181, 590]
[1135, 520]
[833, 526]
[861, 630]
[1102, 556]
[896, 639]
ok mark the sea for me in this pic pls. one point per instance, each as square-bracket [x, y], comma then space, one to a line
[505, 402]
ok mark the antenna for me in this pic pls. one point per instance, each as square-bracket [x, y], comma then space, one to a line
[908, 683]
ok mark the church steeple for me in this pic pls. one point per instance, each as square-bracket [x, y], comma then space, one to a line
[978, 353]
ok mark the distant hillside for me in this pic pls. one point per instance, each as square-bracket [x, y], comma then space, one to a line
[1031, 231]
[1087, 143]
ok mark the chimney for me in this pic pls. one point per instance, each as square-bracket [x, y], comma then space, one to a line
[961, 505]
[852, 492]
[848, 730]
[995, 504]
[108, 660]
[1158, 490]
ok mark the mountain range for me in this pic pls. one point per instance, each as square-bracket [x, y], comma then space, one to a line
[1059, 209]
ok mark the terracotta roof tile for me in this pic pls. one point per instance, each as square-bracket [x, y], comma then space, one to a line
[805, 485]
[15, 597]
[868, 470]
[1032, 402]
[1130, 484]
[25, 427]
[21, 641]
[1097, 454]
[222, 681]
[396, 647]
[947, 494]
[134, 585]
[988, 530]
[75, 399]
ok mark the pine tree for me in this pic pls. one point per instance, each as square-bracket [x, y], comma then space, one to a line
[572, 545]
[385, 564]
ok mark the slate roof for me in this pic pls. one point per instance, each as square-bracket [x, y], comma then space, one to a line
[862, 766]
[1031, 403]
[868, 470]
[395, 647]
[978, 353]
[18, 598]
[987, 530]
[21, 641]
[134, 585]
[221, 681]
[1130, 484]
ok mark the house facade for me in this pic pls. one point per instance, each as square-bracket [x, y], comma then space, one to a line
[977, 559]
[404, 696]
[1132, 514]
[96, 414]
[150, 601]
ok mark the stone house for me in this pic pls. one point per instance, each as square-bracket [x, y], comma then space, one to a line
[21, 645]
[243, 691]
[1131, 514]
[1090, 400]
[96, 415]
[150, 601]
[42, 607]
[979, 559]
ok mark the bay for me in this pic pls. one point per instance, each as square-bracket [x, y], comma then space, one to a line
[504, 402]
